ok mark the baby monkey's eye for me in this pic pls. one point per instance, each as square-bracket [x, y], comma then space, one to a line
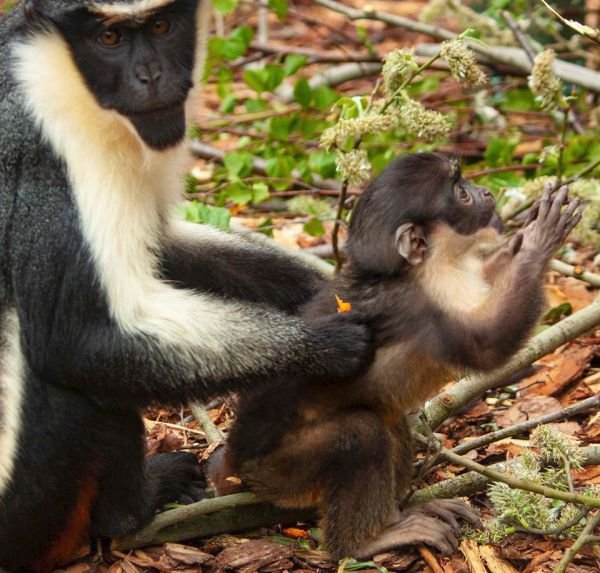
[160, 27]
[463, 194]
[110, 38]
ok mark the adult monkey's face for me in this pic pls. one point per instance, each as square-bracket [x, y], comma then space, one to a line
[136, 57]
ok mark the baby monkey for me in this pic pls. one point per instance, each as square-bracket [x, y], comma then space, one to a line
[440, 305]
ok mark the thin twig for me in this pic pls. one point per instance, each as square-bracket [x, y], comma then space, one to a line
[519, 35]
[585, 538]
[583, 172]
[336, 226]
[556, 531]
[314, 55]
[212, 433]
[562, 145]
[503, 169]
[580, 408]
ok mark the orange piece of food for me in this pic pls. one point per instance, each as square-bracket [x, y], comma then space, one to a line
[295, 533]
[342, 305]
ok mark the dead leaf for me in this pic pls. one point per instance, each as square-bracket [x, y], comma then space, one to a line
[575, 292]
[526, 408]
[558, 370]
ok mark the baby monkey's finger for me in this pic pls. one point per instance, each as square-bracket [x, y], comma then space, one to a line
[572, 223]
[558, 201]
[543, 204]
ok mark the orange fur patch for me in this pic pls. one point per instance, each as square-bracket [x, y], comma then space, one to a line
[65, 546]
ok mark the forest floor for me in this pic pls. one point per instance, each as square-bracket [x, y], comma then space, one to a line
[567, 376]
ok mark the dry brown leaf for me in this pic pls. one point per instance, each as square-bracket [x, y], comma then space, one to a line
[575, 292]
[187, 555]
[588, 476]
[526, 408]
[558, 370]
[513, 447]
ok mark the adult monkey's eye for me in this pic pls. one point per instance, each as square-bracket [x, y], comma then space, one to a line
[110, 38]
[160, 27]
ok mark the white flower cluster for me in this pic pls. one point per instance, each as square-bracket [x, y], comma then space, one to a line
[546, 87]
[462, 63]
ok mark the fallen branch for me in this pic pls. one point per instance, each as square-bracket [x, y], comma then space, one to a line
[243, 511]
[231, 513]
[575, 272]
[517, 58]
[259, 165]
[514, 57]
[332, 77]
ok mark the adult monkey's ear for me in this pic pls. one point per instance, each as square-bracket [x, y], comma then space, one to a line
[411, 243]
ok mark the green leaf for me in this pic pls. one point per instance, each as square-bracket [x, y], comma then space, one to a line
[265, 79]
[243, 33]
[200, 213]
[256, 80]
[280, 167]
[280, 7]
[499, 151]
[225, 6]
[293, 62]
[354, 565]
[324, 97]
[233, 47]
[282, 127]
[255, 105]
[323, 163]
[314, 227]
[238, 164]
[558, 312]
[228, 49]
[228, 104]
[303, 93]
[239, 193]
[274, 76]
[517, 100]
[260, 192]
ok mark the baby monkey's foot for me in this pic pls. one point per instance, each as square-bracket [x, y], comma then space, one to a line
[434, 523]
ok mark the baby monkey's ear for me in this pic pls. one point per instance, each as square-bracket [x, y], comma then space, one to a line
[411, 243]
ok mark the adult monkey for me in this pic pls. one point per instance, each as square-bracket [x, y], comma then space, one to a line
[107, 302]
[445, 294]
